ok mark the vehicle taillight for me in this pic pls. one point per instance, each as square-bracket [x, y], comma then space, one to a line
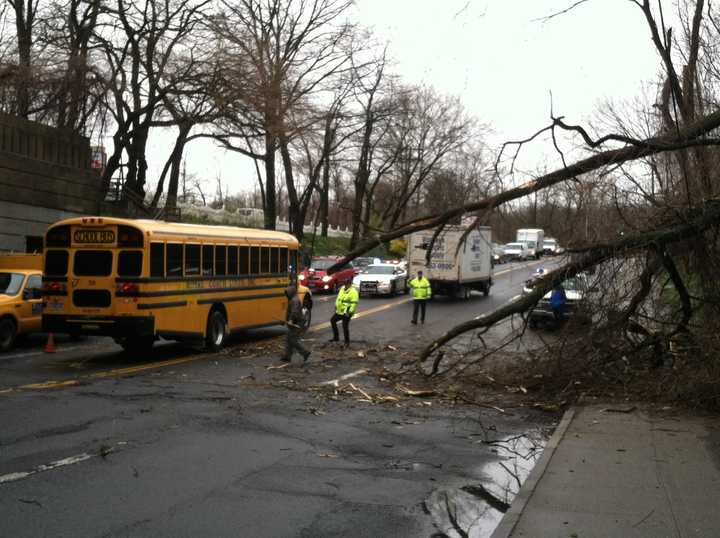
[54, 288]
[127, 288]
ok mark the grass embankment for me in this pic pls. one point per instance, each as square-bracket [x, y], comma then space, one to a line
[334, 246]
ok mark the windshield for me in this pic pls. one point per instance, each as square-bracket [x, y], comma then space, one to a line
[321, 264]
[10, 283]
[573, 284]
[514, 245]
[549, 243]
[380, 270]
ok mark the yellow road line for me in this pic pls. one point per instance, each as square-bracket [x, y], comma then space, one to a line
[321, 326]
[172, 362]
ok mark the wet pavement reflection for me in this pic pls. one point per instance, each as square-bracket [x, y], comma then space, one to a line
[474, 510]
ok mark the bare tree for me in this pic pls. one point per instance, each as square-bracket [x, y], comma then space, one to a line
[282, 55]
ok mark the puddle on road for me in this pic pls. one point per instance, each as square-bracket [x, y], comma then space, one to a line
[475, 510]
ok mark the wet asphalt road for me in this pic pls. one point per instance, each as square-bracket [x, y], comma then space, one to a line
[184, 443]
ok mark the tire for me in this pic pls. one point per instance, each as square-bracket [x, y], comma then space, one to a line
[486, 289]
[307, 319]
[216, 332]
[393, 290]
[136, 344]
[8, 334]
[467, 293]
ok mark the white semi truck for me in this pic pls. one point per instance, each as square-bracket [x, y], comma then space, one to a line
[453, 271]
[533, 237]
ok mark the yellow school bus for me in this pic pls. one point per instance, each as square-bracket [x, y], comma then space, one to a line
[140, 280]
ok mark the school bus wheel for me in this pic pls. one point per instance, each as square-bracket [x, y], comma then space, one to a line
[8, 334]
[216, 331]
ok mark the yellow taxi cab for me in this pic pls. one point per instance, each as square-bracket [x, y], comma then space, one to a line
[20, 297]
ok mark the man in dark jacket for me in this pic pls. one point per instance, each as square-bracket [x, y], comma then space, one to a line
[294, 321]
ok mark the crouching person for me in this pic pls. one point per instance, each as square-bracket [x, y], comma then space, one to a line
[295, 320]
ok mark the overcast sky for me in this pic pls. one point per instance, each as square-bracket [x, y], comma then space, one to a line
[501, 58]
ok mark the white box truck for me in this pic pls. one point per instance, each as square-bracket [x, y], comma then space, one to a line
[534, 238]
[451, 271]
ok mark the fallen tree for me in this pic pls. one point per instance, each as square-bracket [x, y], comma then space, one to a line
[698, 222]
[694, 135]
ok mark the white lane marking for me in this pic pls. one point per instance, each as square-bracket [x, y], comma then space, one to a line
[515, 268]
[336, 382]
[12, 477]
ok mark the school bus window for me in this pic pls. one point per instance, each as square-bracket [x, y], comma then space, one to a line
[264, 260]
[283, 261]
[174, 260]
[244, 260]
[130, 263]
[232, 261]
[92, 263]
[56, 262]
[220, 259]
[192, 260]
[157, 260]
[254, 260]
[274, 259]
[294, 261]
[207, 262]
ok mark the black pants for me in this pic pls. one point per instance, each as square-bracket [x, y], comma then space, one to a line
[419, 305]
[292, 344]
[345, 323]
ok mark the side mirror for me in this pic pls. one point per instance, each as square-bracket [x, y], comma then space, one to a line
[27, 294]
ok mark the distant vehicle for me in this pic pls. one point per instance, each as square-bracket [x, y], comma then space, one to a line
[575, 290]
[381, 279]
[498, 254]
[20, 297]
[363, 262]
[517, 251]
[316, 278]
[453, 271]
[534, 238]
[550, 246]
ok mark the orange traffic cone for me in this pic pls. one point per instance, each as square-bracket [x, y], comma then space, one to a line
[50, 346]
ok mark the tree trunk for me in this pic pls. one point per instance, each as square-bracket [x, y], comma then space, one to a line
[296, 216]
[175, 165]
[324, 208]
[24, 21]
[270, 212]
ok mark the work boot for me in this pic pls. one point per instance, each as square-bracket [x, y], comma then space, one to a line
[333, 340]
[284, 359]
[306, 356]
[414, 322]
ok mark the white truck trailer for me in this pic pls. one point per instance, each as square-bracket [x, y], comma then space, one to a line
[453, 271]
[534, 238]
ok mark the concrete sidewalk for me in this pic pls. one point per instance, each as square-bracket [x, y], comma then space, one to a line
[610, 473]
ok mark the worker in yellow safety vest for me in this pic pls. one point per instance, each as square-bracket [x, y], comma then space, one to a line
[421, 294]
[345, 307]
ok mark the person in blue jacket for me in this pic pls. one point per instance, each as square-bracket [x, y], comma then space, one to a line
[557, 301]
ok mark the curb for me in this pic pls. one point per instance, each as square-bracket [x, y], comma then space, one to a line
[512, 516]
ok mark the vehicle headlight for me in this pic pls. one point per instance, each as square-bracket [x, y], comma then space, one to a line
[301, 277]
[326, 278]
